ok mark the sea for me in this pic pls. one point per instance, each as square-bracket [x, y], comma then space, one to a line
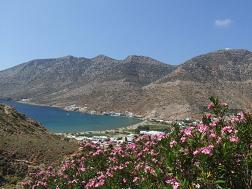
[57, 120]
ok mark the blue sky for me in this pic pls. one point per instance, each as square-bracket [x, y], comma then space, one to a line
[170, 31]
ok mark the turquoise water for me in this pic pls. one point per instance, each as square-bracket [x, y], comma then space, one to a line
[58, 120]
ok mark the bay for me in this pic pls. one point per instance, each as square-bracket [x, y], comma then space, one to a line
[59, 121]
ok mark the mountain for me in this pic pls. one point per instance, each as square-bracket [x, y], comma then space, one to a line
[102, 83]
[227, 65]
[25, 144]
[224, 73]
[137, 84]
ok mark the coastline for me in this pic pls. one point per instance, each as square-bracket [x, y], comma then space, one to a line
[80, 109]
[120, 129]
[115, 133]
[130, 128]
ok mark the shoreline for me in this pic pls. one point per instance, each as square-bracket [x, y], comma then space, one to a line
[129, 127]
[120, 129]
[91, 112]
[84, 110]
[118, 135]
[114, 133]
[142, 120]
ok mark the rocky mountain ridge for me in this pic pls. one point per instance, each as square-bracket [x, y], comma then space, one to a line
[136, 84]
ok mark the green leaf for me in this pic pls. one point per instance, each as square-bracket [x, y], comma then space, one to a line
[220, 182]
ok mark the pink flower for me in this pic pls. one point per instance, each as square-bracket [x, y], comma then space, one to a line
[172, 143]
[213, 135]
[204, 150]
[154, 160]
[241, 115]
[90, 184]
[159, 136]
[188, 131]
[113, 159]
[173, 181]
[148, 169]
[207, 150]
[202, 128]
[132, 146]
[183, 139]
[136, 179]
[233, 139]
[196, 152]
[109, 174]
[50, 168]
[238, 118]
[218, 141]
[99, 183]
[208, 115]
[82, 169]
[210, 106]
[214, 123]
[226, 130]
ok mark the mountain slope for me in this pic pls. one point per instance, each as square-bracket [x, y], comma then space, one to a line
[69, 80]
[24, 144]
[228, 65]
[138, 84]
[224, 73]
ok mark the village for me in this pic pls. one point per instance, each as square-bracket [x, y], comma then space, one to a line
[84, 109]
[126, 135]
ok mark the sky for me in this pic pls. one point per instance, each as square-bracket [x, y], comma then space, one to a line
[171, 31]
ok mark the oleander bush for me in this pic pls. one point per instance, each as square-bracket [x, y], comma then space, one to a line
[214, 153]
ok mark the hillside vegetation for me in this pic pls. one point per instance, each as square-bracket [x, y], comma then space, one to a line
[213, 154]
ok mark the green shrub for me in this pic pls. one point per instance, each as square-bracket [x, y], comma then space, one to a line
[216, 153]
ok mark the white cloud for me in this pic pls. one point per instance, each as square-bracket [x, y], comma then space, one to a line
[223, 23]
